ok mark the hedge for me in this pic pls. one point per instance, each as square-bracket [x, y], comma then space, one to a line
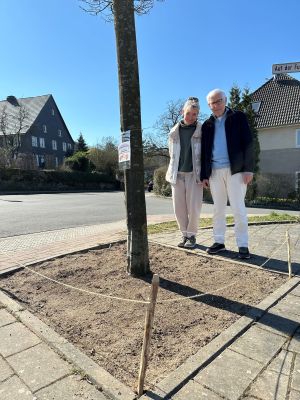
[39, 180]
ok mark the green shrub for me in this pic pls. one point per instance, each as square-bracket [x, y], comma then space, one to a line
[79, 162]
[43, 180]
[160, 185]
[274, 202]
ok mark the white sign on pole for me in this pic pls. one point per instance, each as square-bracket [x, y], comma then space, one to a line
[124, 151]
[284, 68]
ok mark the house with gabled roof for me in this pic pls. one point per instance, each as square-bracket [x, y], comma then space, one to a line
[42, 133]
[277, 107]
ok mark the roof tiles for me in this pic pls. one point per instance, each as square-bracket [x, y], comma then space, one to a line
[280, 102]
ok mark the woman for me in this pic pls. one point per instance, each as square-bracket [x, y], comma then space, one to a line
[184, 172]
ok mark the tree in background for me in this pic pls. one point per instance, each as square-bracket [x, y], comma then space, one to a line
[157, 141]
[235, 98]
[81, 144]
[165, 122]
[79, 161]
[122, 13]
[105, 7]
[12, 128]
[243, 102]
[104, 157]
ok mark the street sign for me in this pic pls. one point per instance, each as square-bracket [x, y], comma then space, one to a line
[285, 68]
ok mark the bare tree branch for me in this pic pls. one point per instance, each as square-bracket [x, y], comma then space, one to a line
[104, 7]
[12, 128]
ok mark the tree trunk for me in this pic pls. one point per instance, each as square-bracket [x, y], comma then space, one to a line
[130, 111]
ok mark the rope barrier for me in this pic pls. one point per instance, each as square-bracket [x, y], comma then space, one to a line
[122, 298]
[274, 252]
[145, 301]
[84, 290]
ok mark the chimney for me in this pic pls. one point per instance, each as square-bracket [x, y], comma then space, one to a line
[12, 100]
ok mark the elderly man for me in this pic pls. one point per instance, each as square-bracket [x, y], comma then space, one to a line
[227, 167]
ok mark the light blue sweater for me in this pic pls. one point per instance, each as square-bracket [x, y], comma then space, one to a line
[220, 157]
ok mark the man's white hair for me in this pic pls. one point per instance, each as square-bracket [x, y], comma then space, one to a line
[214, 92]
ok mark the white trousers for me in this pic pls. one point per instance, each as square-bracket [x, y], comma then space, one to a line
[223, 184]
[187, 202]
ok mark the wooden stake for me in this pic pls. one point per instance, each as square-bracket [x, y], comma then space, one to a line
[147, 333]
[289, 253]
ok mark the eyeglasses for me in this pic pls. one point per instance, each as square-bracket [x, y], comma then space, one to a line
[215, 103]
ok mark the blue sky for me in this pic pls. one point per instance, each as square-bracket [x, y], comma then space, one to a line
[186, 48]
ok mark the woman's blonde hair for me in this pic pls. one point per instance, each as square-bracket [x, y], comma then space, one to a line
[192, 102]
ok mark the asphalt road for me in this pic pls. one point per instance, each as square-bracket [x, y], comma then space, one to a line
[22, 214]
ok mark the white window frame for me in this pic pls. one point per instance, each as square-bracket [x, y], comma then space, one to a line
[42, 142]
[34, 141]
[64, 145]
[52, 112]
[54, 145]
[44, 128]
[256, 106]
[69, 146]
[297, 137]
[59, 132]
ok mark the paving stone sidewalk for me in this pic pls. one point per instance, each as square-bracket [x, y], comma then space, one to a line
[267, 245]
[27, 249]
[258, 357]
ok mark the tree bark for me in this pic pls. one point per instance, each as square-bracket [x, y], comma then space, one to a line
[130, 114]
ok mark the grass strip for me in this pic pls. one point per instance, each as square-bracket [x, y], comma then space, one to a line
[205, 222]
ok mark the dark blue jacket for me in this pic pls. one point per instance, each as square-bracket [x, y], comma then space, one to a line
[239, 144]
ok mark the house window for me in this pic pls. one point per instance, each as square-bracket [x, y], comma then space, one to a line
[256, 106]
[69, 146]
[42, 162]
[56, 162]
[34, 141]
[45, 128]
[54, 145]
[297, 186]
[42, 142]
[298, 138]
[52, 111]
[37, 160]
[59, 132]
[64, 146]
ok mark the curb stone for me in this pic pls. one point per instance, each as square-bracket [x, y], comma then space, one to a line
[96, 374]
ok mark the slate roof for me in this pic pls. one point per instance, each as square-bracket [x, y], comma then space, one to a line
[280, 102]
[33, 106]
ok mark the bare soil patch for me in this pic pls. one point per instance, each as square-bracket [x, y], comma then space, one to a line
[111, 331]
